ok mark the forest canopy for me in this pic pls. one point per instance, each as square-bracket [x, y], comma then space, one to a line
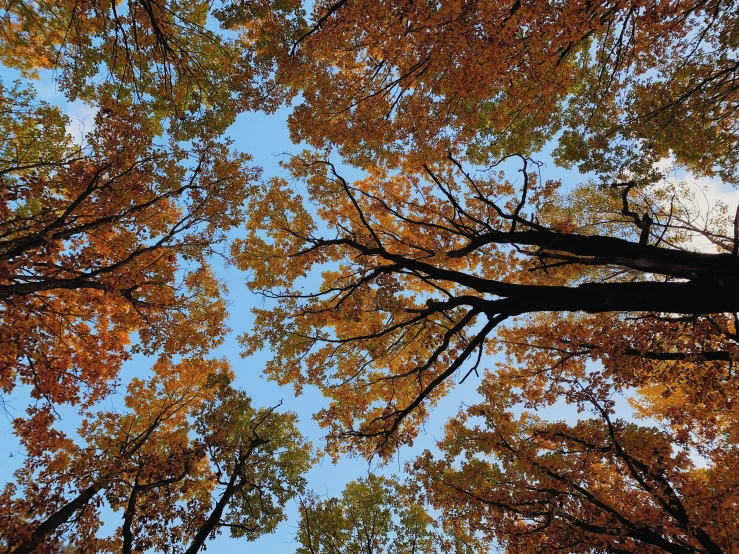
[425, 239]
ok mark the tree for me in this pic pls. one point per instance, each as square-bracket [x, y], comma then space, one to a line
[601, 484]
[192, 72]
[189, 457]
[113, 237]
[417, 276]
[617, 83]
[419, 281]
[592, 293]
[109, 239]
[104, 239]
[374, 515]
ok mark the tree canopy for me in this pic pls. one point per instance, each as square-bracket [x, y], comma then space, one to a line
[457, 245]
[425, 240]
[373, 516]
[189, 457]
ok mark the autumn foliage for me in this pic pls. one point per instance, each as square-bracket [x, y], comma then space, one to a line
[104, 239]
[419, 244]
[106, 244]
[455, 245]
[189, 455]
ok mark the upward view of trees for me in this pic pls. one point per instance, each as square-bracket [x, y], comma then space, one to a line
[424, 240]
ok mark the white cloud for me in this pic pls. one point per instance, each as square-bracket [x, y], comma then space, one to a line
[707, 196]
[81, 115]
[81, 119]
